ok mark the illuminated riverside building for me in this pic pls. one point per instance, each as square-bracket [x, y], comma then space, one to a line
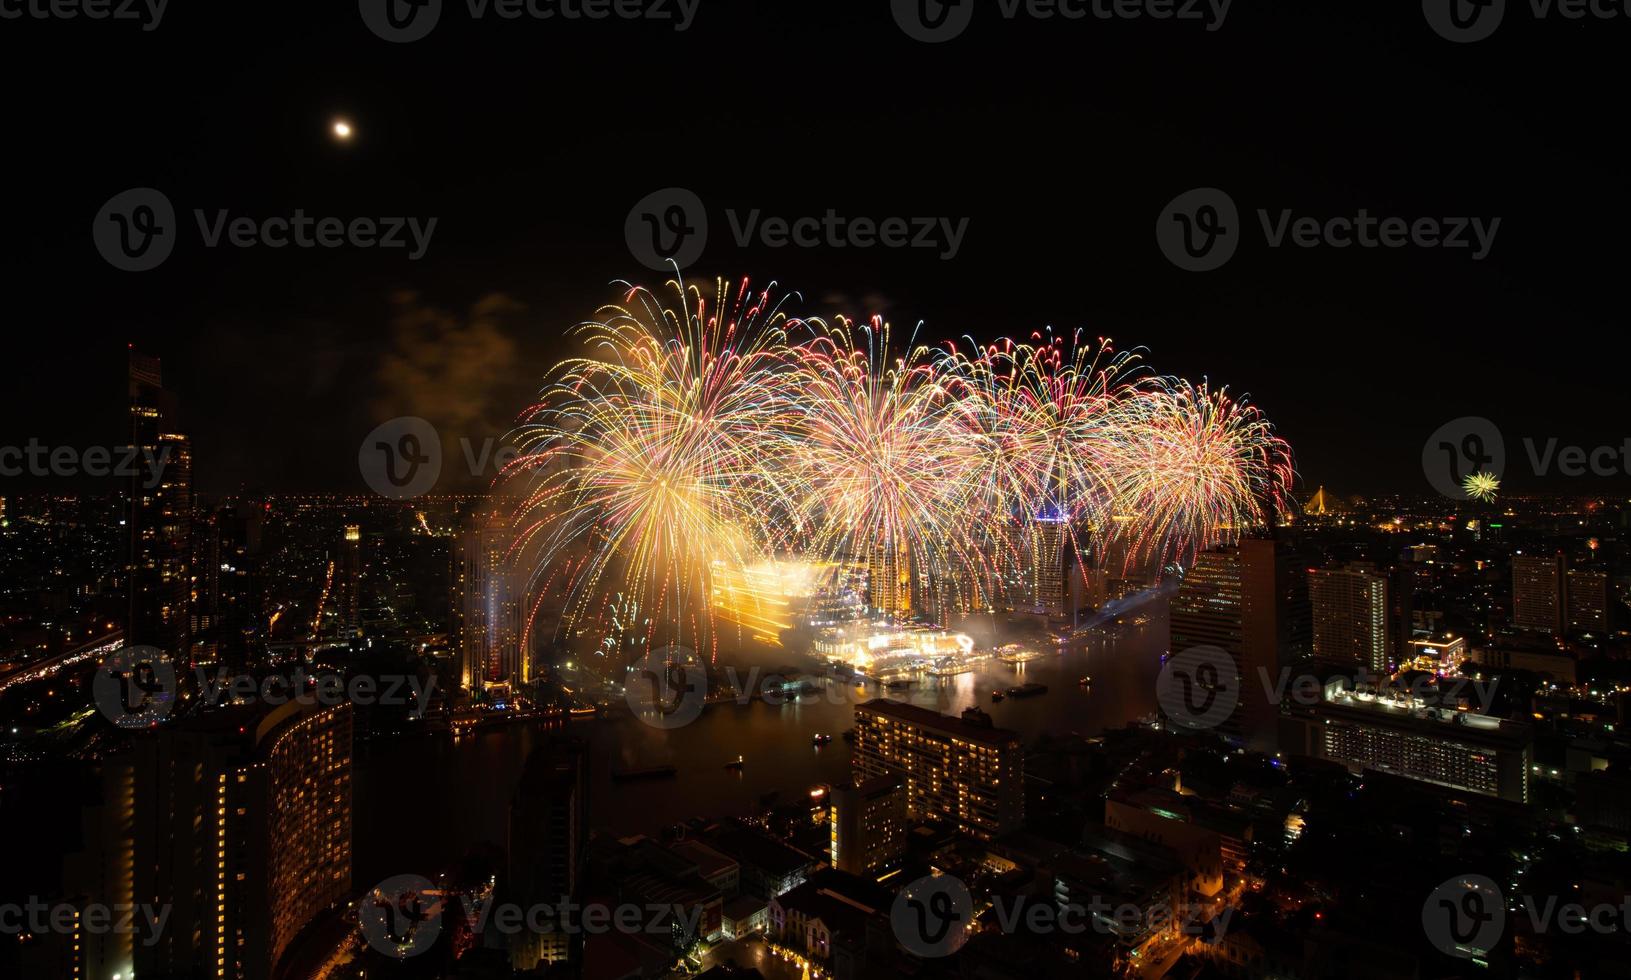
[878, 649]
[238, 822]
[1350, 616]
[867, 824]
[889, 581]
[491, 602]
[965, 774]
[1403, 736]
[1049, 580]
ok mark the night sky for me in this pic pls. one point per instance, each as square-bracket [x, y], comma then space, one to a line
[1060, 141]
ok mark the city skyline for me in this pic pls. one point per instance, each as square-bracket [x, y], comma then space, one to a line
[688, 490]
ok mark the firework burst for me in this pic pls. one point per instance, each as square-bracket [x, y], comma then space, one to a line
[700, 435]
[642, 461]
[1482, 487]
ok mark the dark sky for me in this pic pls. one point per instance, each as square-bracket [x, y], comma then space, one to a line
[1060, 141]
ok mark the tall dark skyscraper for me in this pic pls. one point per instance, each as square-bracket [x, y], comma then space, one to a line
[548, 845]
[158, 517]
[1538, 592]
[1250, 600]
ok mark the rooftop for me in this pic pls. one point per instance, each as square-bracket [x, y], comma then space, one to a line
[956, 727]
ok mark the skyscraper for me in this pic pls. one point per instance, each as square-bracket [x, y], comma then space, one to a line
[1351, 616]
[1538, 592]
[1049, 580]
[238, 823]
[548, 845]
[158, 517]
[1250, 600]
[1587, 600]
[968, 775]
[492, 601]
[889, 579]
[350, 593]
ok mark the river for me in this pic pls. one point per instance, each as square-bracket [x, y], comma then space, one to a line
[423, 801]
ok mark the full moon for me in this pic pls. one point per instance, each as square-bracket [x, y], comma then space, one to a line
[342, 129]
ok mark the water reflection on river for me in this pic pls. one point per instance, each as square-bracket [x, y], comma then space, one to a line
[423, 801]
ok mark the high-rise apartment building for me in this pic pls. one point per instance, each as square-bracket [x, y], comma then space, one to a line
[1587, 600]
[1351, 617]
[965, 774]
[867, 826]
[237, 822]
[1538, 591]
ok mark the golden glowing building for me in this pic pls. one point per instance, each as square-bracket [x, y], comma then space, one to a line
[239, 824]
[491, 600]
[969, 775]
